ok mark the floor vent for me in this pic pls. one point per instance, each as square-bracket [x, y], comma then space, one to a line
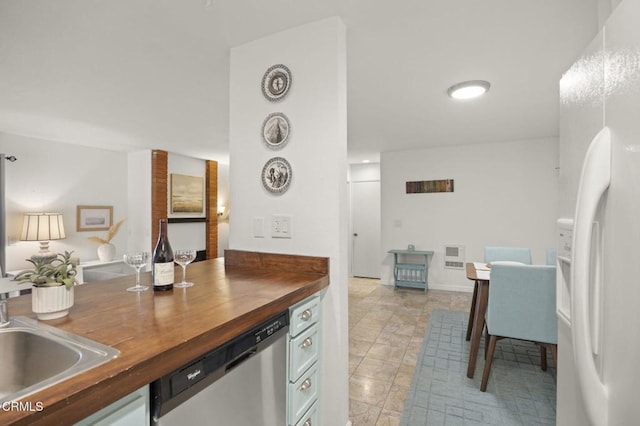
[454, 256]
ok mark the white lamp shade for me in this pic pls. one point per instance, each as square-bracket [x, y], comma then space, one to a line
[42, 227]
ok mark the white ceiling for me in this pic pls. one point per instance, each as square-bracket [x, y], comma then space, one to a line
[154, 73]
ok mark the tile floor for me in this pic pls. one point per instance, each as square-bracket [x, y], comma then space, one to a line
[386, 329]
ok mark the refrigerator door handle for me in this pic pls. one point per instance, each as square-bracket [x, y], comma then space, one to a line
[594, 182]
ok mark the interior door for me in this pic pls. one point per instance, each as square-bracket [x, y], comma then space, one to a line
[365, 211]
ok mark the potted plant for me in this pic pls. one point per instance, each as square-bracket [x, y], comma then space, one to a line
[53, 281]
[106, 250]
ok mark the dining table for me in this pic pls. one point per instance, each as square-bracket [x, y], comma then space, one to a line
[479, 273]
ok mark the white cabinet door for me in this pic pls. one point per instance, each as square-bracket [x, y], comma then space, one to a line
[132, 410]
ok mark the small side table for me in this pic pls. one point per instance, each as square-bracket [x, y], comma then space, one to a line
[410, 274]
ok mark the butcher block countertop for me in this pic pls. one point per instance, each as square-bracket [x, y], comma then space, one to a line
[157, 332]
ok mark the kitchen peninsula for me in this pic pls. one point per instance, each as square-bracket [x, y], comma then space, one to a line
[158, 332]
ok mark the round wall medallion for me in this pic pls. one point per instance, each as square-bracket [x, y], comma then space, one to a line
[275, 130]
[276, 175]
[276, 82]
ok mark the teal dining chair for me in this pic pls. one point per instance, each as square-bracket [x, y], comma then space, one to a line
[494, 254]
[513, 254]
[551, 256]
[522, 305]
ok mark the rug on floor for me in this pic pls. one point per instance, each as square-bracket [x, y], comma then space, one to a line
[518, 391]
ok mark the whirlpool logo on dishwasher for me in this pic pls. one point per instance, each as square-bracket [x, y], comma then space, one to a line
[193, 375]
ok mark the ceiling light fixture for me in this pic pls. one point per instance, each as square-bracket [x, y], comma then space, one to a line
[468, 89]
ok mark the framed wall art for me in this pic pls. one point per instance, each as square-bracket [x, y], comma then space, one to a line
[93, 218]
[276, 175]
[276, 82]
[275, 130]
[187, 194]
[427, 186]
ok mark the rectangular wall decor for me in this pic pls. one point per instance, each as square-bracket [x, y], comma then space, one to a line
[93, 218]
[423, 186]
[187, 194]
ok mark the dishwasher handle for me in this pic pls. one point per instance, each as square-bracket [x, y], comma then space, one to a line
[242, 358]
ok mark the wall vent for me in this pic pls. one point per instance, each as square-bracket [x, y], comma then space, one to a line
[454, 256]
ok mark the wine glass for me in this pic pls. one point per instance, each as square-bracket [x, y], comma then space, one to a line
[183, 258]
[137, 261]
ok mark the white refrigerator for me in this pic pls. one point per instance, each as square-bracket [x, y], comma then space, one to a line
[599, 248]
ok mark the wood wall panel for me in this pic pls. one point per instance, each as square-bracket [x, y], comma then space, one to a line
[159, 191]
[276, 262]
[212, 208]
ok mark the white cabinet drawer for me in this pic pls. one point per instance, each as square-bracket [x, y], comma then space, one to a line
[302, 394]
[303, 352]
[311, 417]
[304, 315]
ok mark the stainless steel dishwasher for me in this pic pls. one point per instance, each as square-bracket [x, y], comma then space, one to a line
[241, 383]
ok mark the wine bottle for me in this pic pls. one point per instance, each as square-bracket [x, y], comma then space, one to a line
[162, 262]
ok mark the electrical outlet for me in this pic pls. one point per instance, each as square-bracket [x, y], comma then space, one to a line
[281, 226]
[258, 227]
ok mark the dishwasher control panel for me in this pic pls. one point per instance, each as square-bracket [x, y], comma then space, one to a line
[271, 327]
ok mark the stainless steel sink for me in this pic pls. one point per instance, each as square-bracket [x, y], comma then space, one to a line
[34, 356]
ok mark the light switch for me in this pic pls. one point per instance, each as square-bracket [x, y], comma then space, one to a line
[281, 226]
[258, 227]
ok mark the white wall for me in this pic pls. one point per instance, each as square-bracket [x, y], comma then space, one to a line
[317, 198]
[223, 200]
[138, 224]
[56, 177]
[504, 194]
[365, 172]
[605, 7]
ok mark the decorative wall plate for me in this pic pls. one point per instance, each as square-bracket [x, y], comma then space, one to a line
[275, 130]
[276, 82]
[276, 175]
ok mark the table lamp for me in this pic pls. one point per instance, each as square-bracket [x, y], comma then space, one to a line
[42, 227]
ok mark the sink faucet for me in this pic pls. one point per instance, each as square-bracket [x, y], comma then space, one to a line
[4, 315]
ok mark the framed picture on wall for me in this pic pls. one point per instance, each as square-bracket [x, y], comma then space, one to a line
[276, 82]
[276, 175]
[275, 130]
[187, 194]
[93, 218]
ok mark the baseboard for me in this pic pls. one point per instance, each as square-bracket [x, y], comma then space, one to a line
[448, 287]
[444, 287]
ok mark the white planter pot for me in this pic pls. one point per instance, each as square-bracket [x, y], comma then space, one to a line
[106, 252]
[51, 302]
